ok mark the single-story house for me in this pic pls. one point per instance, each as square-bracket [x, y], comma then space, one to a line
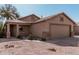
[56, 26]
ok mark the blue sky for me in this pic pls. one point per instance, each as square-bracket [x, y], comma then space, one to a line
[72, 10]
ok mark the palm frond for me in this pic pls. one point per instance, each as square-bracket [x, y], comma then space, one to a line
[9, 12]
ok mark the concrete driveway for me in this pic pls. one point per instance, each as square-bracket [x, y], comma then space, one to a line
[73, 41]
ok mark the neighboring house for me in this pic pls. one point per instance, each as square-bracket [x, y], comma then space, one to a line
[56, 26]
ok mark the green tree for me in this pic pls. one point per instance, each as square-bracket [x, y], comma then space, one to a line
[9, 12]
[1, 29]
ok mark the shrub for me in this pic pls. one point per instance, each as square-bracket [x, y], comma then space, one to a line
[43, 39]
[30, 37]
[36, 38]
[2, 34]
[20, 37]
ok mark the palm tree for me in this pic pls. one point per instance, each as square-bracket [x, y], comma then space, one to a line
[1, 28]
[7, 12]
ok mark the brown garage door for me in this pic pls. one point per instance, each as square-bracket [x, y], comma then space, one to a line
[59, 31]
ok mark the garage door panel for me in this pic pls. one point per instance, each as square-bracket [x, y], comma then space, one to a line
[59, 31]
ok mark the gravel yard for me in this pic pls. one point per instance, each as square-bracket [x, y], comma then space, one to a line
[34, 47]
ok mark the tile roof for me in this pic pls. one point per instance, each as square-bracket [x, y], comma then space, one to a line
[40, 19]
[47, 18]
[29, 16]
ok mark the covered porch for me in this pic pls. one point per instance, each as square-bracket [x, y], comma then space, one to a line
[15, 28]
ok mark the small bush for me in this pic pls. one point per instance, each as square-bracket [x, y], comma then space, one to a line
[43, 39]
[35, 38]
[31, 37]
[2, 35]
[20, 37]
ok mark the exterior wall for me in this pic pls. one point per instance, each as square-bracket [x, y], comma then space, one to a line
[38, 28]
[76, 30]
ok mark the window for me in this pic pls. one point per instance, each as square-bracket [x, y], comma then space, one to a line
[61, 19]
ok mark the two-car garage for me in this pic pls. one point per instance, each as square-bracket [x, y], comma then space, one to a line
[60, 30]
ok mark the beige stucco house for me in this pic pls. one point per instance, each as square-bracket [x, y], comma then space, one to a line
[56, 26]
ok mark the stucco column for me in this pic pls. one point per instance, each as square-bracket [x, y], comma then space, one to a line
[8, 31]
[17, 30]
